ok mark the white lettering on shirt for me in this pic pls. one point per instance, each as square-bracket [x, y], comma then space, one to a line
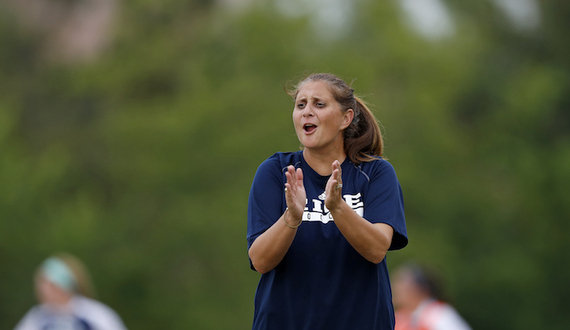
[317, 211]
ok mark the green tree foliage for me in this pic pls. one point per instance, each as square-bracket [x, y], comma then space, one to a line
[140, 162]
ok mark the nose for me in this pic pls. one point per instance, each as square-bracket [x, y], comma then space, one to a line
[308, 111]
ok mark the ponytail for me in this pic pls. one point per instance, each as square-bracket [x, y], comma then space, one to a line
[363, 138]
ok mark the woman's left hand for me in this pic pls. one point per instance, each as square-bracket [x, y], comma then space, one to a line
[371, 240]
[333, 189]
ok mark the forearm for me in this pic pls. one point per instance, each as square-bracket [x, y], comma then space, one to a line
[372, 241]
[269, 248]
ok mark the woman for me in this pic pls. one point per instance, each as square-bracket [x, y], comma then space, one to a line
[62, 288]
[321, 220]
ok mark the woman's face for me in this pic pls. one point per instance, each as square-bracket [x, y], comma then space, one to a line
[318, 119]
[406, 292]
[49, 293]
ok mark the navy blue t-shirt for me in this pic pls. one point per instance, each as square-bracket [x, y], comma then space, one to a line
[323, 282]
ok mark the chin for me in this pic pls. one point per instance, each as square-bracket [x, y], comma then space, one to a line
[309, 145]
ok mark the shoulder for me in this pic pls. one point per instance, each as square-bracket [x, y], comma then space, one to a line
[286, 158]
[30, 319]
[451, 320]
[280, 160]
[442, 316]
[376, 168]
[97, 311]
[379, 163]
[85, 304]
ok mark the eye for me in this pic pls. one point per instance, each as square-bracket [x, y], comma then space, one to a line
[300, 105]
[320, 104]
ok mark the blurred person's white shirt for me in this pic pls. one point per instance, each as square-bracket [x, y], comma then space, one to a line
[81, 313]
[437, 315]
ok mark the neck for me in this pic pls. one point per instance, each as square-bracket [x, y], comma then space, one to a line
[321, 162]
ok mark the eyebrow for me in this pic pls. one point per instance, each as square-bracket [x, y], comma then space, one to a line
[313, 98]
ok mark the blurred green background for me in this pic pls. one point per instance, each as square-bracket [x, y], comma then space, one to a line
[130, 132]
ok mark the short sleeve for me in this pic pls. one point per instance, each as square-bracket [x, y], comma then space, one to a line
[384, 202]
[266, 199]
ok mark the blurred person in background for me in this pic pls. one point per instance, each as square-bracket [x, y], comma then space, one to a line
[419, 301]
[63, 288]
[321, 220]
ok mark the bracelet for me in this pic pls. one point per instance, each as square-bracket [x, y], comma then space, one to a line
[288, 225]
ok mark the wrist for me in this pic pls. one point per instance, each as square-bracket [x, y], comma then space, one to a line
[289, 222]
[336, 207]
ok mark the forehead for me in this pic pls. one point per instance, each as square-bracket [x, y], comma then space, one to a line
[318, 89]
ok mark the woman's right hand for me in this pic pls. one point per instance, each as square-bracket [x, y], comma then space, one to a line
[295, 194]
[270, 248]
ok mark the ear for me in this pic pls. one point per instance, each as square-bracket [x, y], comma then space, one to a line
[347, 118]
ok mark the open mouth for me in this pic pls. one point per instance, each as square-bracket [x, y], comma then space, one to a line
[309, 128]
